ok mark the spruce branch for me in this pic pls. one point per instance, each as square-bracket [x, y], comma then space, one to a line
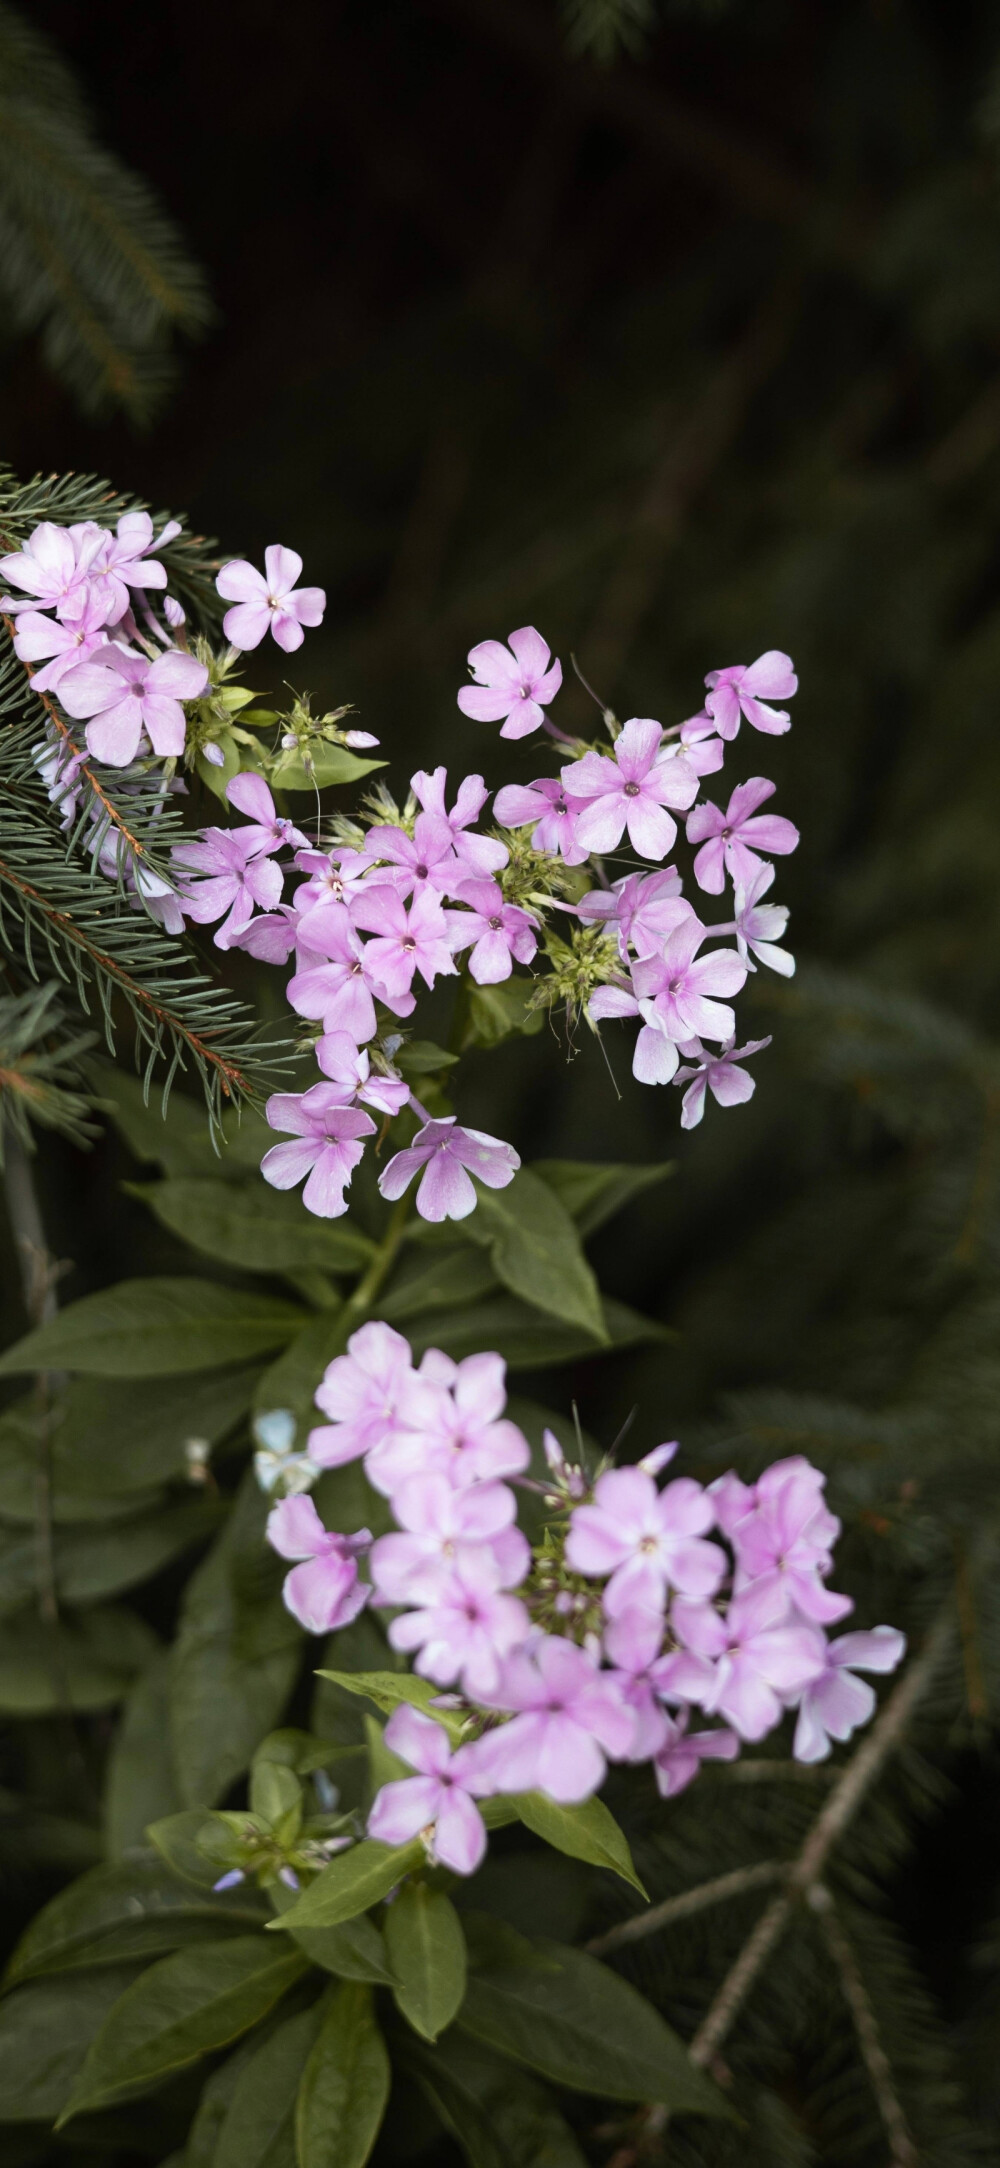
[903, 2151]
[689, 1901]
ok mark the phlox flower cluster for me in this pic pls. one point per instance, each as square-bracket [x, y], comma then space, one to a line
[663, 1623]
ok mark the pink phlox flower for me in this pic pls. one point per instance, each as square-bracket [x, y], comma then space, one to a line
[513, 684]
[730, 840]
[632, 1643]
[270, 937]
[334, 877]
[677, 989]
[464, 1435]
[268, 831]
[680, 1757]
[569, 1717]
[742, 690]
[501, 934]
[449, 1154]
[553, 811]
[126, 694]
[269, 601]
[56, 568]
[835, 1703]
[758, 1663]
[719, 1074]
[759, 926]
[406, 941]
[433, 1805]
[334, 985]
[463, 1634]
[648, 1541]
[231, 882]
[705, 751]
[629, 790]
[369, 1394]
[485, 854]
[348, 1067]
[655, 1056]
[444, 1527]
[329, 1144]
[67, 643]
[784, 1542]
[424, 860]
[642, 907]
[324, 1593]
[124, 557]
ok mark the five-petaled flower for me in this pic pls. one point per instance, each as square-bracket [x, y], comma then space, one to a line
[269, 601]
[513, 683]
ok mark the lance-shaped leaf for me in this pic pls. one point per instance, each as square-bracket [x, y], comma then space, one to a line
[426, 1948]
[344, 2090]
[135, 1909]
[351, 1883]
[256, 1228]
[182, 2008]
[574, 2020]
[149, 1328]
[535, 1250]
[593, 1194]
[388, 1688]
[46, 2029]
[586, 1832]
[527, 1338]
[258, 2127]
[500, 2116]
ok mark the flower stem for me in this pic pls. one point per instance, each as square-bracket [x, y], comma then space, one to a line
[370, 1285]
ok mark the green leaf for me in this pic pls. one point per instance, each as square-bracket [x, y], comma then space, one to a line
[46, 2029]
[525, 1337]
[254, 1227]
[501, 2116]
[351, 1883]
[116, 1437]
[24, 1429]
[420, 1057]
[180, 1140]
[344, 2091]
[454, 1277]
[388, 1688]
[572, 2018]
[91, 1563]
[587, 1832]
[140, 1786]
[426, 1949]
[149, 1328]
[235, 1658]
[85, 1664]
[176, 1840]
[593, 1194]
[258, 2128]
[496, 1011]
[291, 1381]
[332, 764]
[136, 1909]
[353, 1951]
[298, 1750]
[183, 2007]
[535, 1250]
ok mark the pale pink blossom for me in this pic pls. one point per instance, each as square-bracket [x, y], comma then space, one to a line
[731, 840]
[835, 1703]
[655, 1055]
[61, 646]
[485, 854]
[56, 567]
[369, 1394]
[334, 877]
[434, 1804]
[424, 860]
[267, 830]
[124, 559]
[784, 1542]
[719, 1074]
[406, 942]
[747, 690]
[753, 1664]
[630, 790]
[349, 1069]
[448, 1154]
[329, 1142]
[643, 908]
[569, 1717]
[632, 1644]
[324, 1593]
[463, 1634]
[647, 1541]
[553, 811]
[759, 926]
[333, 985]
[677, 990]
[269, 601]
[513, 684]
[232, 884]
[444, 1527]
[679, 1759]
[500, 934]
[124, 694]
[464, 1434]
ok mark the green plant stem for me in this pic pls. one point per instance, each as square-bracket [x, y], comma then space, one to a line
[370, 1285]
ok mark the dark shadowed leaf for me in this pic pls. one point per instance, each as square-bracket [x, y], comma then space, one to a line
[149, 1328]
[87, 1662]
[353, 1951]
[182, 2007]
[343, 2094]
[501, 2117]
[254, 1227]
[574, 2020]
[258, 2128]
[136, 1909]
[46, 2029]
[426, 1949]
[525, 1337]
[593, 1194]
[457, 1276]
[140, 1786]
[118, 1435]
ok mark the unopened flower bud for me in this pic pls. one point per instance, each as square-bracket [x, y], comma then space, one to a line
[359, 739]
[652, 1463]
[173, 613]
[215, 756]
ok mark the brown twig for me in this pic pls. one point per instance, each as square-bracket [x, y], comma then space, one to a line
[690, 1900]
[876, 2062]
